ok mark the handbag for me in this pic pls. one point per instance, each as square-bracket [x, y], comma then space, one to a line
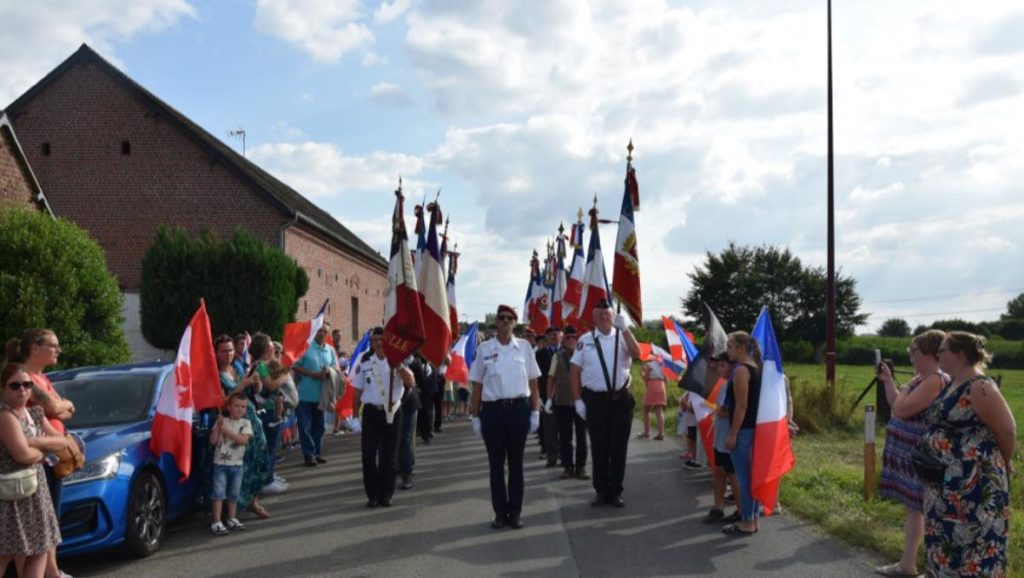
[18, 485]
[72, 458]
[928, 466]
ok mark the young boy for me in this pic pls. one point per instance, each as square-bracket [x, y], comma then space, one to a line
[229, 436]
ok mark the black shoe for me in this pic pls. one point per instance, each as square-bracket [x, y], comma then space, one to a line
[714, 516]
[542, 456]
[427, 440]
[581, 473]
[515, 522]
[406, 483]
[371, 503]
[551, 464]
[617, 501]
[499, 521]
[309, 463]
[599, 501]
[386, 502]
[437, 430]
[320, 460]
[732, 518]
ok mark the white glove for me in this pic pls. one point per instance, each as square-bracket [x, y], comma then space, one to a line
[357, 425]
[477, 428]
[581, 409]
[534, 421]
[547, 407]
[620, 322]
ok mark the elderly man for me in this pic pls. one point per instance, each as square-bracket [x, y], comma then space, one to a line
[505, 408]
[380, 389]
[599, 378]
[312, 369]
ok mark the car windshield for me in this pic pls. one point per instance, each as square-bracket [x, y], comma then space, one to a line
[108, 399]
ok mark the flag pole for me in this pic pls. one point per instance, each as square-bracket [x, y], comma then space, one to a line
[830, 305]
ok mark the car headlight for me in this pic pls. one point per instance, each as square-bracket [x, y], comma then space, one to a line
[101, 469]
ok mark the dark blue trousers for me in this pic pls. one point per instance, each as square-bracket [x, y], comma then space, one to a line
[379, 442]
[505, 425]
[609, 420]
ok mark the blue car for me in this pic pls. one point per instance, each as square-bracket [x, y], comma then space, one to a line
[125, 495]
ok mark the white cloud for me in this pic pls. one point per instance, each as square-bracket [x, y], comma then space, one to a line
[321, 171]
[389, 95]
[39, 35]
[388, 11]
[325, 30]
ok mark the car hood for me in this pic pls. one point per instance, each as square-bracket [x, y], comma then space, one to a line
[105, 440]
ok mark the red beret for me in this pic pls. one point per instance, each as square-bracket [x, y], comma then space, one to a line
[507, 309]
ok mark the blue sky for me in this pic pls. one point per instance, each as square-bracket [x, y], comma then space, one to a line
[520, 112]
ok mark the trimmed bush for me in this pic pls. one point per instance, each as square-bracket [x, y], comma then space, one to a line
[53, 275]
[860, 350]
[248, 285]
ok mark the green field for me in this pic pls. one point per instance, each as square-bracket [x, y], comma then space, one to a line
[827, 485]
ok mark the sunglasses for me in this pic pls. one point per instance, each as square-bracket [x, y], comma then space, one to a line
[16, 385]
[505, 318]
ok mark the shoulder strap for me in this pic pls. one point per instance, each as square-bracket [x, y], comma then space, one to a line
[604, 366]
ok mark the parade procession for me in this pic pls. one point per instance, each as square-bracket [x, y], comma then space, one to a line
[233, 346]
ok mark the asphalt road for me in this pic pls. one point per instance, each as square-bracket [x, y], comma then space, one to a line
[441, 526]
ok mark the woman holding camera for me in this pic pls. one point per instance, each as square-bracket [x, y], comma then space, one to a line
[971, 431]
[899, 481]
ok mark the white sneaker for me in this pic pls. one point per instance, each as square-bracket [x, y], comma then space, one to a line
[218, 529]
[274, 487]
[281, 479]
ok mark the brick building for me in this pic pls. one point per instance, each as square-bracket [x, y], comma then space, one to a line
[120, 162]
[18, 184]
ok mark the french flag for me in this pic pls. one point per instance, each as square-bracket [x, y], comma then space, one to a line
[670, 368]
[773, 454]
[453, 309]
[704, 412]
[537, 306]
[462, 355]
[431, 282]
[595, 280]
[194, 385]
[574, 280]
[403, 319]
[558, 289]
[298, 336]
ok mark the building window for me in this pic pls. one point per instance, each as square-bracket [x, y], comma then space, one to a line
[126, 148]
[355, 320]
[46, 149]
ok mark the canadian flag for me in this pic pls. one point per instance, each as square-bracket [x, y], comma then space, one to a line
[298, 336]
[194, 385]
[773, 454]
[462, 357]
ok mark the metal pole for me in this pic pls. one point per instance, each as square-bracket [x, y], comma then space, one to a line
[869, 452]
[830, 305]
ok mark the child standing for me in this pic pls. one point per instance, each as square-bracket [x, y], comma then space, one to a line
[654, 399]
[229, 436]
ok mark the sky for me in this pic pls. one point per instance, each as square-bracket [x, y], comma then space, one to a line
[520, 113]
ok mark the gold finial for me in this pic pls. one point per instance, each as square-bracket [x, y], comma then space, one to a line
[579, 215]
[629, 151]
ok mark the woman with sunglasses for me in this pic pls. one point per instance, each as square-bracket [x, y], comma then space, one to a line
[28, 526]
[38, 349]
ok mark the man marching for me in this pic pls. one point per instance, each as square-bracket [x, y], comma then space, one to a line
[379, 389]
[506, 409]
[600, 388]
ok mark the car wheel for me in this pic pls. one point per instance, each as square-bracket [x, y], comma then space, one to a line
[147, 516]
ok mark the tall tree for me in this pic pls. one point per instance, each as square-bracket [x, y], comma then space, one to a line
[740, 279]
[894, 327]
[1014, 308]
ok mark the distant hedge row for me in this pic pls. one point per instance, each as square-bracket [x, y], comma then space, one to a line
[860, 350]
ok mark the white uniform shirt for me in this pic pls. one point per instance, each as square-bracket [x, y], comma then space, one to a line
[585, 356]
[372, 377]
[504, 371]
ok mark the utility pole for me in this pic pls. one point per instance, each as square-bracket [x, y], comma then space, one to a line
[830, 304]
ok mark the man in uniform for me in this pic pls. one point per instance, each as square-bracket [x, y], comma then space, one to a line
[560, 401]
[505, 408]
[548, 423]
[379, 389]
[600, 388]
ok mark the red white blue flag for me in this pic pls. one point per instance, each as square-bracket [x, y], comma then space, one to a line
[626, 264]
[572, 299]
[462, 354]
[431, 283]
[537, 306]
[595, 280]
[403, 320]
[773, 454]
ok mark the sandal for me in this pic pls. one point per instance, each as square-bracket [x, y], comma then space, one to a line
[659, 437]
[736, 530]
[642, 436]
[894, 570]
[259, 510]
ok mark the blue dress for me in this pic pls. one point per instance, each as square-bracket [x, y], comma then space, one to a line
[967, 517]
[899, 481]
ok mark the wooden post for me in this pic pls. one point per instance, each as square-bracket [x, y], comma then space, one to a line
[869, 452]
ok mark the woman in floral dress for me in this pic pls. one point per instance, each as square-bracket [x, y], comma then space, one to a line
[971, 429]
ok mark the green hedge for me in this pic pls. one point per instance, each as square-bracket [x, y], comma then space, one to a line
[860, 350]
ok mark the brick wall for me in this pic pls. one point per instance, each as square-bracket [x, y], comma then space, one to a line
[335, 275]
[14, 182]
[85, 116]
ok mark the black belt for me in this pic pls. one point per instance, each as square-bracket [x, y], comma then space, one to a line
[613, 392]
[506, 401]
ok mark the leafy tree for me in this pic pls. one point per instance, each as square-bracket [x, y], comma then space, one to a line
[1014, 308]
[53, 275]
[1010, 329]
[739, 280]
[247, 284]
[957, 325]
[894, 327]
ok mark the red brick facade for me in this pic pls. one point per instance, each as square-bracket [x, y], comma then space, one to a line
[121, 163]
[17, 186]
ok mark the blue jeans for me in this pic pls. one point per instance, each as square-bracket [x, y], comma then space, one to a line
[742, 457]
[227, 482]
[311, 428]
[407, 449]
